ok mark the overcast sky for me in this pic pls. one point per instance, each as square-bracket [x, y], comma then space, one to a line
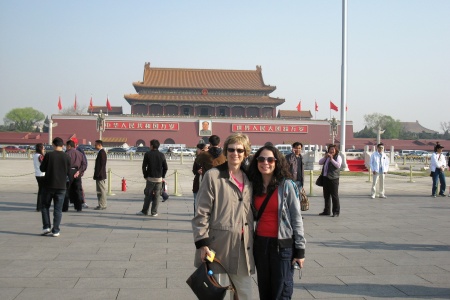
[398, 51]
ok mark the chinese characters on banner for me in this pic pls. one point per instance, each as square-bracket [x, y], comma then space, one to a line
[143, 125]
[269, 128]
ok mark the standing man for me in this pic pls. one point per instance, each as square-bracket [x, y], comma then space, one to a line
[154, 169]
[83, 200]
[56, 165]
[100, 175]
[379, 164]
[77, 168]
[296, 166]
[213, 157]
[437, 167]
[198, 172]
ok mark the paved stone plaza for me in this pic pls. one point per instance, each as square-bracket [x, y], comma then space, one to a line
[397, 248]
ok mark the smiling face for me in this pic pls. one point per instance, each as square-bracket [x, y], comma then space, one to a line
[235, 158]
[297, 150]
[332, 151]
[264, 166]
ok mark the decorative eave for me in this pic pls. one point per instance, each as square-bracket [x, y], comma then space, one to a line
[294, 114]
[202, 99]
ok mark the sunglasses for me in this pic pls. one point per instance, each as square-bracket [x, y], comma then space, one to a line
[270, 160]
[231, 150]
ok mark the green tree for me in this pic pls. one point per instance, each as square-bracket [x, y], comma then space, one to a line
[392, 128]
[23, 119]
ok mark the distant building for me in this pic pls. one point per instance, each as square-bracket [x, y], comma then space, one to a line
[116, 110]
[415, 127]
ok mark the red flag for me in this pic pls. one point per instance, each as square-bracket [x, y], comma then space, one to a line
[108, 105]
[91, 104]
[299, 106]
[346, 107]
[59, 103]
[75, 103]
[316, 107]
[333, 107]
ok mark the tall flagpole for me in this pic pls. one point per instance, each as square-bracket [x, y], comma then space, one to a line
[344, 83]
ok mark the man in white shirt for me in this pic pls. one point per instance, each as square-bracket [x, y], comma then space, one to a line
[379, 164]
[437, 167]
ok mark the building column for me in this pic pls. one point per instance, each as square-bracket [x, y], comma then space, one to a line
[215, 110]
[231, 110]
[148, 109]
[179, 109]
[193, 107]
[245, 111]
[163, 110]
[260, 111]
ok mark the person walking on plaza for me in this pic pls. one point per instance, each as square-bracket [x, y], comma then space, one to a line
[78, 148]
[279, 243]
[437, 167]
[379, 164]
[331, 171]
[197, 171]
[100, 175]
[296, 166]
[38, 157]
[213, 157]
[56, 165]
[154, 169]
[224, 219]
[77, 168]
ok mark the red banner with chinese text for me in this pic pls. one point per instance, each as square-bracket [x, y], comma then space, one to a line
[269, 128]
[167, 126]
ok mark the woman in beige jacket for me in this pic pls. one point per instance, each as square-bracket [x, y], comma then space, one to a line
[224, 220]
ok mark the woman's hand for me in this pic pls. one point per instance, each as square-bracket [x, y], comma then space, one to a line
[300, 261]
[204, 252]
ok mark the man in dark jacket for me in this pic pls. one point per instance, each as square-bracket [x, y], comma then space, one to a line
[296, 167]
[56, 165]
[154, 169]
[100, 175]
[213, 157]
[77, 169]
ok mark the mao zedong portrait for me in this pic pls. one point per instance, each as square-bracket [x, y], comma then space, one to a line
[205, 128]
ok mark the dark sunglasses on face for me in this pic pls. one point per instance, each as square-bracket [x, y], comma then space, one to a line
[231, 150]
[270, 160]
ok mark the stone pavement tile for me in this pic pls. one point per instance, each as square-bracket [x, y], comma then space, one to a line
[145, 272]
[30, 255]
[436, 278]
[16, 271]
[159, 264]
[383, 279]
[445, 266]
[59, 293]
[10, 293]
[50, 264]
[38, 282]
[156, 293]
[132, 251]
[443, 291]
[338, 261]
[402, 270]
[334, 291]
[430, 254]
[319, 271]
[5, 262]
[130, 283]
[83, 256]
[79, 272]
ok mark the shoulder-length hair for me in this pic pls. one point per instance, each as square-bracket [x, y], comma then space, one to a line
[335, 148]
[280, 173]
[237, 138]
[39, 148]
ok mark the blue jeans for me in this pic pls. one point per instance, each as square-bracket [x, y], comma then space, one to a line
[441, 175]
[274, 268]
[58, 199]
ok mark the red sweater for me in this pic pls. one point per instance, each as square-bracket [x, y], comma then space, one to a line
[268, 223]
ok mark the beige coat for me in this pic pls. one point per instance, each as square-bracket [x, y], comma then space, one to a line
[223, 212]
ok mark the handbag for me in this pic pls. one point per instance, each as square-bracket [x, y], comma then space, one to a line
[319, 180]
[206, 287]
[304, 203]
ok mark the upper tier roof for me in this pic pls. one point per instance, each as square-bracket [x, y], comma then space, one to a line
[203, 79]
[209, 99]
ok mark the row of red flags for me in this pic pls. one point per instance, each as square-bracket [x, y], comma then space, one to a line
[91, 104]
[316, 106]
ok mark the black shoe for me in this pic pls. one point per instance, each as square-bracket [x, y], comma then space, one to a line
[442, 195]
[324, 213]
[335, 215]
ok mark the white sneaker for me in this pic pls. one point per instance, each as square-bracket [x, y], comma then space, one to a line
[56, 234]
[140, 213]
[154, 215]
[373, 196]
[84, 205]
[46, 231]
[383, 196]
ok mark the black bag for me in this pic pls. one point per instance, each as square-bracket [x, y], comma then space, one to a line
[431, 174]
[205, 286]
[319, 180]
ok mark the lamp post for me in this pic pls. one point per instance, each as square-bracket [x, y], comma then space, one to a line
[101, 123]
[333, 129]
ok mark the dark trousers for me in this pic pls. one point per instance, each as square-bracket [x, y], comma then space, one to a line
[438, 175]
[40, 195]
[73, 193]
[274, 268]
[58, 197]
[330, 190]
[152, 194]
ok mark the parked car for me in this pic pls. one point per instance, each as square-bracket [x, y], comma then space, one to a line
[117, 150]
[14, 149]
[184, 151]
[142, 150]
[87, 147]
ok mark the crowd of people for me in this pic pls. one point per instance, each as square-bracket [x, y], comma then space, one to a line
[246, 206]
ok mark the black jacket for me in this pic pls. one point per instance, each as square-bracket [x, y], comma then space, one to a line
[154, 164]
[100, 165]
